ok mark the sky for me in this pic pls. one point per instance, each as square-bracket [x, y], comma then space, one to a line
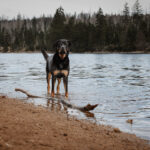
[31, 8]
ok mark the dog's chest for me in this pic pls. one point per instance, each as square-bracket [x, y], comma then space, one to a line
[60, 73]
[61, 66]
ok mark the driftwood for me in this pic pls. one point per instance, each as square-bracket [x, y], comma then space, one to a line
[88, 107]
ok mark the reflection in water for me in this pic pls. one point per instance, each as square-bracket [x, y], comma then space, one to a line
[54, 105]
[119, 83]
[89, 114]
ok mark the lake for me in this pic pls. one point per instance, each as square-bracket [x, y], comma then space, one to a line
[119, 83]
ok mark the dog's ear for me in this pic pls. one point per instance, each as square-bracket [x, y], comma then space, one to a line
[69, 43]
[55, 44]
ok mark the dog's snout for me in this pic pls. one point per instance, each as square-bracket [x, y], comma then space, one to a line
[63, 47]
[62, 50]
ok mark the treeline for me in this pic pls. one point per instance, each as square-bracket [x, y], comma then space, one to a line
[88, 32]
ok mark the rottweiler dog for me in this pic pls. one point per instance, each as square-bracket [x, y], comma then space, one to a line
[57, 66]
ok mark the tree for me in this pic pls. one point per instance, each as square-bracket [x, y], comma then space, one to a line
[56, 30]
[100, 28]
[34, 33]
[6, 40]
[131, 38]
[137, 12]
[137, 8]
[126, 13]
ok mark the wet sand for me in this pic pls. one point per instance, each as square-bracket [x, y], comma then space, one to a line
[25, 126]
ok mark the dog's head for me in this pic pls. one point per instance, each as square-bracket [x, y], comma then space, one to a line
[62, 48]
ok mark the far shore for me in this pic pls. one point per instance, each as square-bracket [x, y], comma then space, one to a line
[82, 52]
[25, 126]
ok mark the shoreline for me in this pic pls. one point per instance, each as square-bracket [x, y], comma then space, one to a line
[95, 52]
[26, 126]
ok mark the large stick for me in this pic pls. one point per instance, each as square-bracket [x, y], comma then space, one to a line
[25, 92]
[88, 107]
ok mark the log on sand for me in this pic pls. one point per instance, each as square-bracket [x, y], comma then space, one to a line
[86, 108]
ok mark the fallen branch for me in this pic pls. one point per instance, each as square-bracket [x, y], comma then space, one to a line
[88, 107]
[25, 92]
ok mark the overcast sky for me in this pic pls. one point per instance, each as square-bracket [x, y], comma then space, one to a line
[30, 8]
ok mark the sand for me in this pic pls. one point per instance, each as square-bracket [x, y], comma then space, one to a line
[24, 126]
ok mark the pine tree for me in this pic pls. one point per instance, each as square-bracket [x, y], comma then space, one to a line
[100, 28]
[6, 43]
[137, 8]
[126, 13]
[131, 38]
[137, 12]
[56, 30]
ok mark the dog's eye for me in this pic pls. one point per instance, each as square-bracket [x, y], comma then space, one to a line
[69, 43]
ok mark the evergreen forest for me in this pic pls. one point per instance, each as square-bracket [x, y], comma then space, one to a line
[97, 32]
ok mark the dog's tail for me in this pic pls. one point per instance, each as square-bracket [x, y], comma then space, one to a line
[44, 54]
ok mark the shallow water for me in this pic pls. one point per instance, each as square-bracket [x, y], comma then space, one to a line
[119, 83]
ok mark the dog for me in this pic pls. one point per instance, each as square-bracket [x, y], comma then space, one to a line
[57, 66]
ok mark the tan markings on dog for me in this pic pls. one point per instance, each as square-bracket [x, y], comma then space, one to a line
[52, 94]
[59, 50]
[65, 51]
[66, 94]
[48, 87]
[62, 56]
[59, 80]
[65, 72]
[56, 72]
[53, 91]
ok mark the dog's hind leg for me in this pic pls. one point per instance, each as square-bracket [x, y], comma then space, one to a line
[65, 80]
[53, 86]
[48, 82]
[59, 80]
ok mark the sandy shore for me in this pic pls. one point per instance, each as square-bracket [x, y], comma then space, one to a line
[27, 127]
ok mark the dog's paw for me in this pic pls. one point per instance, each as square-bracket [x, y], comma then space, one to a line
[52, 94]
[66, 94]
[58, 93]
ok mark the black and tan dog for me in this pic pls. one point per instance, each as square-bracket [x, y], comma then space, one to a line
[57, 66]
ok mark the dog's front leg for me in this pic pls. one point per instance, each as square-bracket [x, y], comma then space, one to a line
[48, 82]
[59, 80]
[53, 85]
[65, 80]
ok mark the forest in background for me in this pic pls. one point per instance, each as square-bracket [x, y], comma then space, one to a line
[96, 32]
